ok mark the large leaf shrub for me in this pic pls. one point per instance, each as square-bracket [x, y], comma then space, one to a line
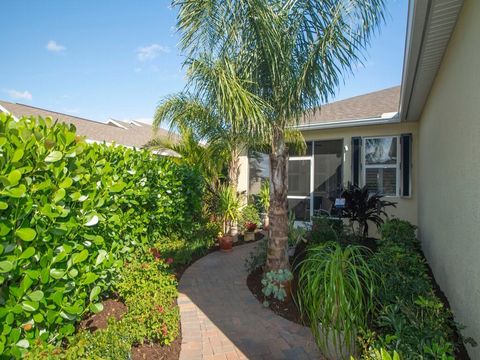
[70, 213]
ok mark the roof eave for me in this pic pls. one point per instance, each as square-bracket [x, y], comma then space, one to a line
[389, 118]
[429, 28]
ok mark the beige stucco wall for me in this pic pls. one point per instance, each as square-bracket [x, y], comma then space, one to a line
[406, 207]
[449, 173]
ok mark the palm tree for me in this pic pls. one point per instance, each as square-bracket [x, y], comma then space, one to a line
[209, 160]
[296, 52]
[215, 109]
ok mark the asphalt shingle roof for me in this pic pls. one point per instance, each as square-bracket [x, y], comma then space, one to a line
[367, 106]
[130, 134]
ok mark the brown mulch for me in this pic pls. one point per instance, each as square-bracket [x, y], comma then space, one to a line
[287, 309]
[111, 307]
[157, 351]
[151, 351]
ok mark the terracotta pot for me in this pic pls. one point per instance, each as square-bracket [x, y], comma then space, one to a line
[249, 235]
[225, 243]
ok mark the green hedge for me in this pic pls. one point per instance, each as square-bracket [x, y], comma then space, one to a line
[410, 319]
[70, 213]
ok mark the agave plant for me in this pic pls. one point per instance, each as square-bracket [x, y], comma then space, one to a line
[362, 206]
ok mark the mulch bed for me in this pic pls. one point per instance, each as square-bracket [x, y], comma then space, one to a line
[288, 310]
[157, 351]
[111, 308]
[150, 351]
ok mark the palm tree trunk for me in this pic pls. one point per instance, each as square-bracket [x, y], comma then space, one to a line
[277, 254]
[233, 169]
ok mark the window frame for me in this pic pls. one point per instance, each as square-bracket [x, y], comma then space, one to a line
[396, 166]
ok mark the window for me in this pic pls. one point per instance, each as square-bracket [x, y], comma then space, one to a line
[259, 171]
[382, 165]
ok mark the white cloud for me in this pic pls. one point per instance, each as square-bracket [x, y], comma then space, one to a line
[151, 52]
[53, 46]
[24, 95]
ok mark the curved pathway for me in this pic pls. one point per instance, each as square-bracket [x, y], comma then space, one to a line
[221, 319]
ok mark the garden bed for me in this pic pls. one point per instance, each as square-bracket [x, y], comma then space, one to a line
[421, 294]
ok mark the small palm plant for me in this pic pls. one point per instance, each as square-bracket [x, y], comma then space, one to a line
[335, 293]
[264, 200]
[228, 206]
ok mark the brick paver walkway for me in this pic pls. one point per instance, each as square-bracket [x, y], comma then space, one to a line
[221, 319]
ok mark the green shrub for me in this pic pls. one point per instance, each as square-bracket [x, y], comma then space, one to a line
[249, 214]
[258, 256]
[70, 213]
[149, 290]
[410, 318]
[400, 232]
[325, 229]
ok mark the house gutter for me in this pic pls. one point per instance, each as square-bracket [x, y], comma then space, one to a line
[389, 118]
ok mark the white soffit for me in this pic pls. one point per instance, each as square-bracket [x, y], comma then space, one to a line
[430, 26]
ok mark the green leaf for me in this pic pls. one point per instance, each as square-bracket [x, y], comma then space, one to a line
[119, 186]
[102, 254]
[94, 293]
[23, 344]
[14, 177]
[17, 192]
[73, 273]
[79, 257]
[26, 234]
[38, 318]
[54, 156]
[56, 273]
[29, 252]
[36, 295]
[5, 266]
[59, 195]
[92, 221]
[3, 205]
[29, 306]
[66, 183]
[96, 308]
[17, 155]
[90, 278]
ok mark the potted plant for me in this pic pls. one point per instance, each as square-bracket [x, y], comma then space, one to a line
[335, 292]
[264, 200]
[228, 208]
[249, 221]
[249, 234]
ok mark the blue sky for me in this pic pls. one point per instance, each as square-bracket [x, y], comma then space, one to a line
[118, 58]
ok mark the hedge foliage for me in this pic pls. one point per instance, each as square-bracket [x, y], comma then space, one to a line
[411, 319]
[70, 214]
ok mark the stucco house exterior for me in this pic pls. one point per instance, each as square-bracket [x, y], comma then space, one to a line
[416, 143]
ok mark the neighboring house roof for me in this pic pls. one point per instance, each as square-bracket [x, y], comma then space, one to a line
[132, 134]
[359, 110]
[430, 26]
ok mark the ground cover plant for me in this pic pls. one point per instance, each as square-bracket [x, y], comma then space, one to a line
[410, 319]
[71, 213]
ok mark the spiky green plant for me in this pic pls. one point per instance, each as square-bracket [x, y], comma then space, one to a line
[335, 292]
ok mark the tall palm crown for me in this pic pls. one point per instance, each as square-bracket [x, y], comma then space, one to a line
[214, 105]
[295, 53]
